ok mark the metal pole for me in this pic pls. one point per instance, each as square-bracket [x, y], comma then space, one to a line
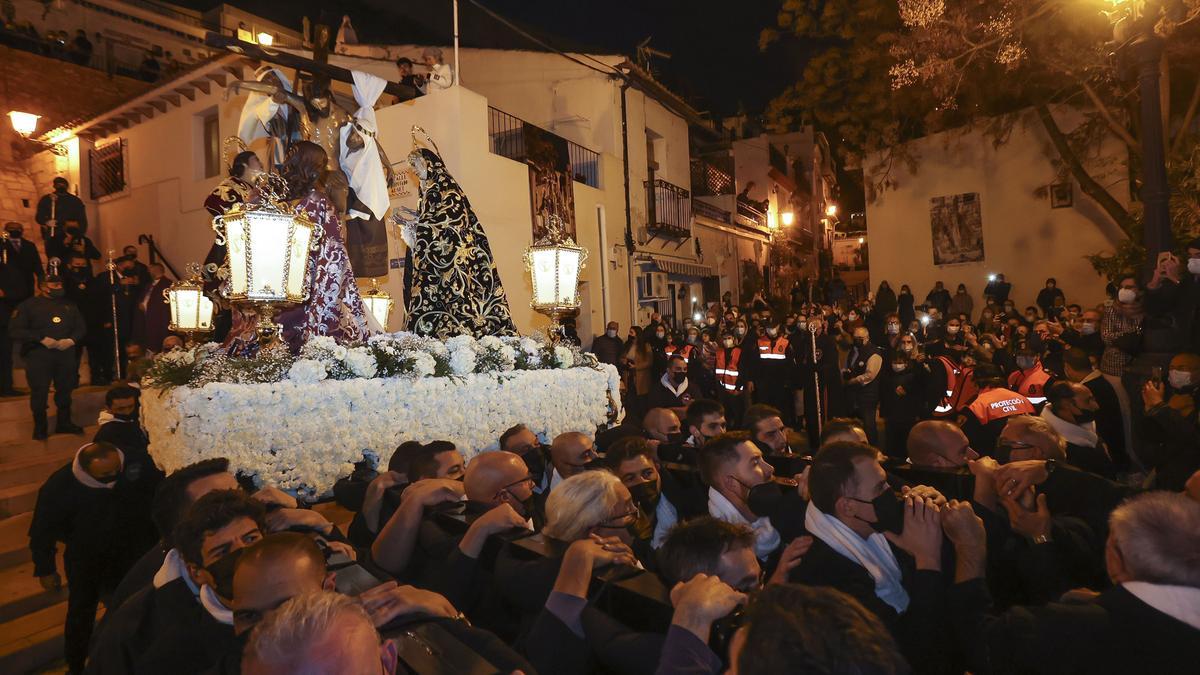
[816, 380]
[1156, 194]
[112, 287]
[456, 73]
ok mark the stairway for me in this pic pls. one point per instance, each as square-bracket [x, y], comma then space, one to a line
[31, 618]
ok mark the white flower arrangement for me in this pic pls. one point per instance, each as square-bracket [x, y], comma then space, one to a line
[304, 433]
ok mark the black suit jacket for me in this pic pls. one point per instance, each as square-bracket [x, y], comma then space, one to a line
[20, 272]
[1109, 424]
[920, 631]
[1116, 633]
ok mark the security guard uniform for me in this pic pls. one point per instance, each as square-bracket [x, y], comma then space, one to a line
[772, 375]
[1031, 384]
[47, 328]
[985, 418]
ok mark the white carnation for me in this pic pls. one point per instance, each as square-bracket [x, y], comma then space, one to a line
[361, 362]
[563, 357]
[307, 371]
[460, 342]
[491, 342]
[462, 361]
[423, 364]
[530, 347]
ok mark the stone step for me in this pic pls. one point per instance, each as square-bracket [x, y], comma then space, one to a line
[33, 468]
[14, 539]
[18, 450]
[33, 641]
[21, 593]
[18, 499]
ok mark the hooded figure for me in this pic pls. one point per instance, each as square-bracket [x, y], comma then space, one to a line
[369, 173]
[454, 288]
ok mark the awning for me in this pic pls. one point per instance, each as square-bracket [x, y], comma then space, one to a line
[680, 267]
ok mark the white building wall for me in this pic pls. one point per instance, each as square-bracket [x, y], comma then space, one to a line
[1024, 238]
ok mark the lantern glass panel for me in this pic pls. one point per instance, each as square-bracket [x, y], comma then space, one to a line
[235, 237]
[379, 307]
[205, 322]
[544, 263]
[301, 239]
[185, 308]
[269, 255]
[568, 275]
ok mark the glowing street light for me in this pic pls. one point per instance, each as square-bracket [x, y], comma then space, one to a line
[23, 123]
[831, 210]
[788, 218]
[266, 39]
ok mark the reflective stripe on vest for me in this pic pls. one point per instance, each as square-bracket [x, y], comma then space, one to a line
[728, 375]
[778, 352]
[684, 352]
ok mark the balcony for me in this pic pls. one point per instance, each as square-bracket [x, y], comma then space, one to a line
[507, 135]
[712, 177]
[668, 210]
[750, 216]
[711, 211]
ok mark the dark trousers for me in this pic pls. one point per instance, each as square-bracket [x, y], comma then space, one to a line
[777, 396]
[6, 358]
[43, 366]
[102, 358]
[895, 435]
[865, 408]
[88, 582]
[735, 407]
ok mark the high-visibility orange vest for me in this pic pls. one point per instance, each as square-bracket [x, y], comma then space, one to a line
[684, 352]
[960, 388]
[1031, 383]
[727, 372]
[769, 352]
[999, 403]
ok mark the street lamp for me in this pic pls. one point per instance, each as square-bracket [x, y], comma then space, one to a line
[788, 217]
[25, 124]
[554, 263]
[191, 309]
[379, 303]
[267, 247]
[266, 39]
[1133, 25]
[831, 210]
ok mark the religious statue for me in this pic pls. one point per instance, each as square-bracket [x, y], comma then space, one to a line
[454, 287]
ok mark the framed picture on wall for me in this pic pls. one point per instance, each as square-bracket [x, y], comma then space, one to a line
[956, 223]
[1062, 195]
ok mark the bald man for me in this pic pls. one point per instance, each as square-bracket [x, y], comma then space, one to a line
[937, 444]
[569, 455]
[276, 568]
[500, 478]
[662, 425]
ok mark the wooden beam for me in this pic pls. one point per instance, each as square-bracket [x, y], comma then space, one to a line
[235, 71]
[253, 51]
[160, 104]
[187, 92]
[132, 116]
[219, 78]
[121, 123]
[171, 98]
[202, 85]
[146, 111]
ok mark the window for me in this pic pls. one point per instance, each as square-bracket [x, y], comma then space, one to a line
[210, 138]
[106, 166]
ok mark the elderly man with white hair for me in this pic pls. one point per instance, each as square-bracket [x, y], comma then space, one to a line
[1147, 622]
[322, 632]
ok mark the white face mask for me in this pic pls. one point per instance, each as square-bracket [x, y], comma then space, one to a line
[893, 328]
[611, 333]
[1126, 295]
[906, 348]
[1179, 379]
[1087, 329]
[898, 367]
[1194, 265]
[772, 332]
[951, 329]
[728, 344]
[802, 325]
[660, 335]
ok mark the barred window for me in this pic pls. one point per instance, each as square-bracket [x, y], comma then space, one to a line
[106, 165]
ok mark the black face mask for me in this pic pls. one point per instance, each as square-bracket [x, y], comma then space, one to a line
[677, 438]
[678, 378]
[764, 499]
[125, 417]
[56, 292]
[1085, 416]
[107, 480]
[535, 461]
[889, 512]
[222, 573]
[15, 234]
[646, 495]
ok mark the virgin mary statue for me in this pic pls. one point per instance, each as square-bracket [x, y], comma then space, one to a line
[454, 288]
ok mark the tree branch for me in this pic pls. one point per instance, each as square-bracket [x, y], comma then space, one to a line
[1117, 128]
[1086, 183]
[1187, 118]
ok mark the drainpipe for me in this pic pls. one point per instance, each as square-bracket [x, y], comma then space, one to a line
[628, 207]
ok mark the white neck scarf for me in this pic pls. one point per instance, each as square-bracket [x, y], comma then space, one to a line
[213, 605]
[1083, 435]
[766, 538]
[85, 478]
[364, 167]
[174, 568]
[666, 382]
[1178, 602]
[873, 553]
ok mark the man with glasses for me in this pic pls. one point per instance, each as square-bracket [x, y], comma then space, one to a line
[570, 454]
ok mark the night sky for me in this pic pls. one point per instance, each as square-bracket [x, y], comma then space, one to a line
[716, 63]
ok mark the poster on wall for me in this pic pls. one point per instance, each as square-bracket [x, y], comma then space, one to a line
[957, 226]
[551, 187]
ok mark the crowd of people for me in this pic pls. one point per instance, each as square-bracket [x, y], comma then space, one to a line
[54, 313]
[742, 518]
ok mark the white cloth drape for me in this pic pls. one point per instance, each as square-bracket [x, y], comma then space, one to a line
[766, 537]
[259, 109]
[873, 553]
[363, 167]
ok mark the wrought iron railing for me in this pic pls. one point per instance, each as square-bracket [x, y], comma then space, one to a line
[506, 134]
[668, 209]
[703, 208]
[751, 215]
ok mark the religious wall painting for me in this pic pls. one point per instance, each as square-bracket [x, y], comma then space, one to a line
[551, 186]
[956, 224]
